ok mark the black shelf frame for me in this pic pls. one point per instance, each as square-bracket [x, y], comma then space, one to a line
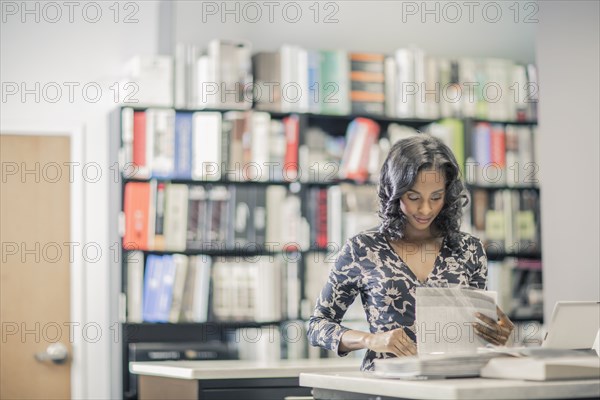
[241, 253]
[230, 252]
[497, 256]
[140, 332]
[200, 182]
[311, 116]
[206, 182]
[517, 123]
[501, 187]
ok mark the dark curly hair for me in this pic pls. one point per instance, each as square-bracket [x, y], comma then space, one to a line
[406, 159]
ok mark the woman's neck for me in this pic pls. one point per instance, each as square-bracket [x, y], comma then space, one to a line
[416, 237]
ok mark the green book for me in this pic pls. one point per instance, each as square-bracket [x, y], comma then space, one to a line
[458, 140]
[335, 82]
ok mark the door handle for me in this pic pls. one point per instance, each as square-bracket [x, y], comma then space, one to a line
[56, 352]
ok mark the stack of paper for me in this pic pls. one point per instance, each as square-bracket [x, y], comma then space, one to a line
[543, 369]
[435, 366]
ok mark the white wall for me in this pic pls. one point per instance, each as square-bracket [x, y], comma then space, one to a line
[379, 26]
[567, 52]
[81, 52]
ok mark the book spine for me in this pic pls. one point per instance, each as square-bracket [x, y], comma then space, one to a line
[151, 287]
[159, 217]
[183, 145]
[292, 134]
[206, 164]
[176, 203]
[135, 286]
[202, 289]
[139, 144]
[322, 219]
[136, 206]
[181, 266]
[165, 292]
[243, 224]
[260, 217]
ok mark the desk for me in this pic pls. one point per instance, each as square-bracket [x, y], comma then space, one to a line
[364, 385]
[230, 379]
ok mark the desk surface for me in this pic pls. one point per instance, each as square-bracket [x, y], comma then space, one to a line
[238, 369]
[472, 388]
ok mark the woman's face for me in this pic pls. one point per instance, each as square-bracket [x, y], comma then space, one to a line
[424, 201]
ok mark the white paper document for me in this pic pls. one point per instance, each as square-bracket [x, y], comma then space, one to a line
[543, 369]
[435, 366]
[445, 318]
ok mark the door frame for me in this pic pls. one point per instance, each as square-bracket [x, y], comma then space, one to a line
[76, 134]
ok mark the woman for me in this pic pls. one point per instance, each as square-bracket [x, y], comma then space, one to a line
[418, 243]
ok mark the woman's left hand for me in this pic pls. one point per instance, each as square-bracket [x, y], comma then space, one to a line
[495, 332]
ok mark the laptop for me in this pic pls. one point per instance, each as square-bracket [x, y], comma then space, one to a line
[574, 325]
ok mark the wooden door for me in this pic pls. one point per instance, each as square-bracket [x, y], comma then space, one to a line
[35, 267]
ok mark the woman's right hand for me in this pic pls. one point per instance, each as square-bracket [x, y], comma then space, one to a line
[395, 341]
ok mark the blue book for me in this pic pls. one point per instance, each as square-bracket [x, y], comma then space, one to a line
[183, 145]
[482, 151]
[151, 287]
[165, 291]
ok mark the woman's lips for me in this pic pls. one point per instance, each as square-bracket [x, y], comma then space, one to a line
[423, 220]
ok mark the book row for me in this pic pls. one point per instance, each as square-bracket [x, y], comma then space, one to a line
[163, 216]
[253, 146]
[503, 155]
[177, 288]
[241, 146]
[195, 289]
[406, 84]
[507, 221]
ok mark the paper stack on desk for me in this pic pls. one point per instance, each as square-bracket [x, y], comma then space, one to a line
[543, 369]
[435, 366]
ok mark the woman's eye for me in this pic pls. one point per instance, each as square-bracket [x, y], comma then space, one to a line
[436, 198]
[413, 198]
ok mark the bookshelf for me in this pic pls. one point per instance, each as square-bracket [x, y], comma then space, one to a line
[505, 212]
[310, 197]
[221, 330]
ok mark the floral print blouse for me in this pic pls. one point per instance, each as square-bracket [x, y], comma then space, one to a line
[368, 266]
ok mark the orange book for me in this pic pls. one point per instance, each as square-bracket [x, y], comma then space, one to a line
[367, 57]
[366, 96]
[367, 76]
[136, 206]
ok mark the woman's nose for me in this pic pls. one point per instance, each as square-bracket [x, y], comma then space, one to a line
[425, 208]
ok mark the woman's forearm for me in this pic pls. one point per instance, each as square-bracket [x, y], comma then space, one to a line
[353, 340]
[395, 341]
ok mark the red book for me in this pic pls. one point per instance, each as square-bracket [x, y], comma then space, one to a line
[292, 134]
[498, 145]
[139, 138]
[136, 206]
[322, 219]
[361, 135]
